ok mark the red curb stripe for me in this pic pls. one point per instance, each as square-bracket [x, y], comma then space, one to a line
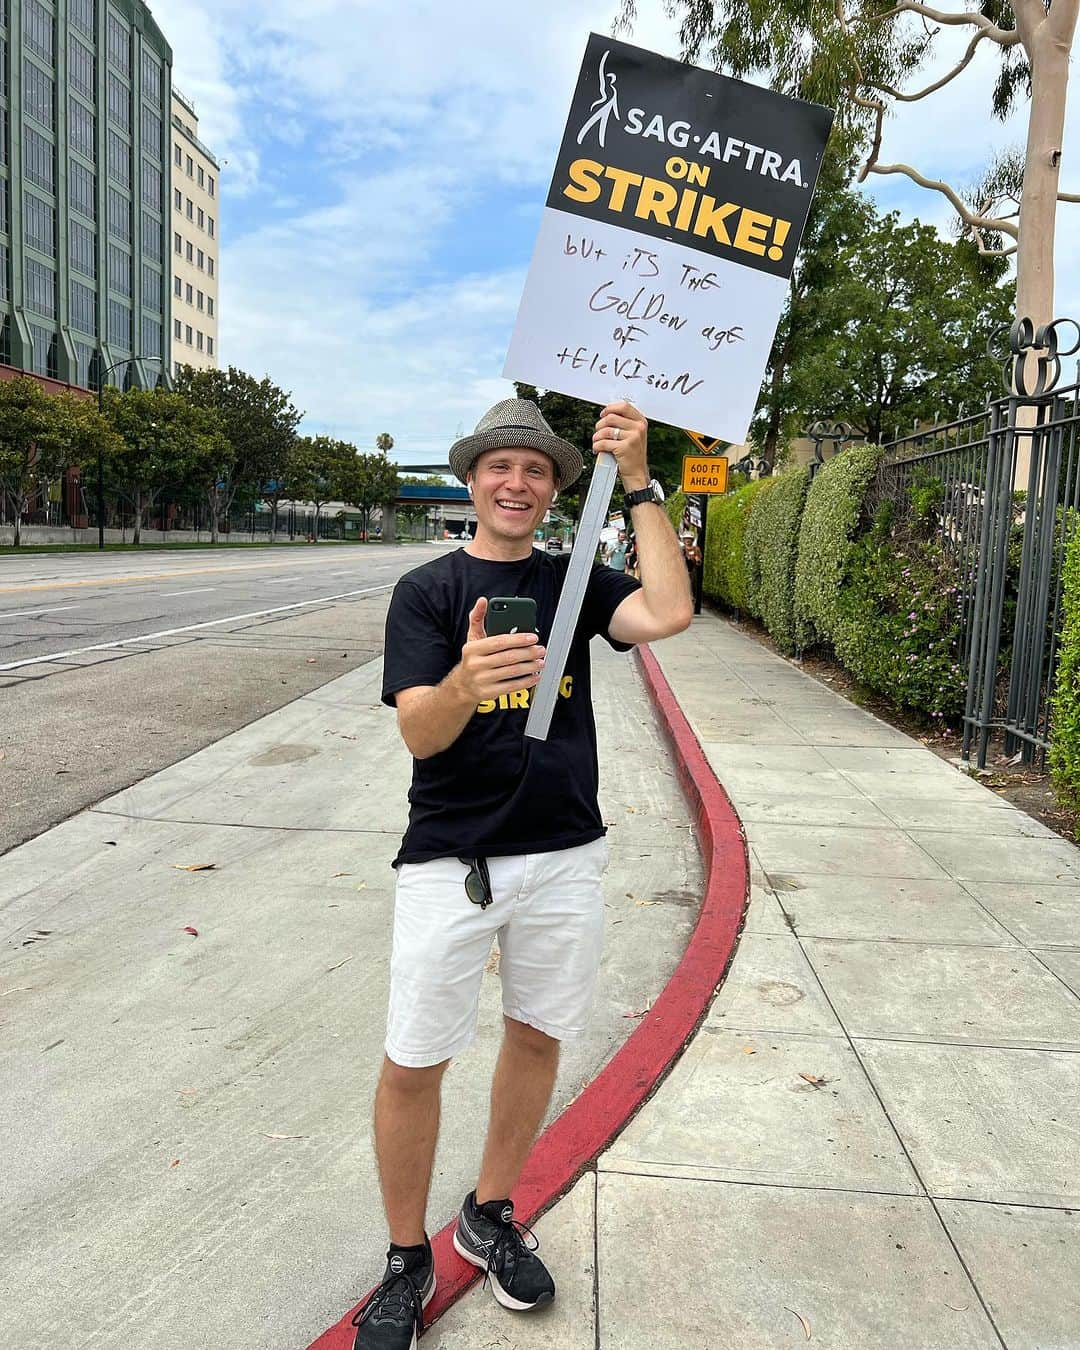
[593, 1119]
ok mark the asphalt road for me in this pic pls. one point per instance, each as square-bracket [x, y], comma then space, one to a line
[113, 666]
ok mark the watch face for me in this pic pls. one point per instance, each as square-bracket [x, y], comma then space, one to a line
[657, 489]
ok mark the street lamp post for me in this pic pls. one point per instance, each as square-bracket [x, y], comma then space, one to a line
[117, 365]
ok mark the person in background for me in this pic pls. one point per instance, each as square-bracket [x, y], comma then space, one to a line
[617, 556]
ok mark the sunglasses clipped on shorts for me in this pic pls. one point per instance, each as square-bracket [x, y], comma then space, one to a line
[478, 881]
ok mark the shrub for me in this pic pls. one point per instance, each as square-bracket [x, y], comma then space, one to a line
[1065, 708]
[725, 562]
[898, 621]
[772, 540]
[675, 505]
[833, 507]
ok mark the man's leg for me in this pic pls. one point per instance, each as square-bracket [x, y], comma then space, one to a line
[520, 1092]
[406, 1131]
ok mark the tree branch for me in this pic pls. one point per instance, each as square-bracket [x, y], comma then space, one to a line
[1005, 36]
[949, 75]
[1061, 18]
[1069, 196]
[969, 217]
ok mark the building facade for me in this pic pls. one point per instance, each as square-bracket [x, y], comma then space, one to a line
[196, 194]
[85, 89]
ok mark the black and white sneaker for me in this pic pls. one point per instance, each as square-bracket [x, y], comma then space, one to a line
[490, 1237]
[393, 1316]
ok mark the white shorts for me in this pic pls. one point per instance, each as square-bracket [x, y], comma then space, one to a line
[548, 914]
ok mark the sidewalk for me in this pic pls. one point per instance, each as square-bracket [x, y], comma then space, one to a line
[873, 1141]
[185, 1117]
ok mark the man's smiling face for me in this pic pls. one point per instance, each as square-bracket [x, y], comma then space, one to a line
[512, 491]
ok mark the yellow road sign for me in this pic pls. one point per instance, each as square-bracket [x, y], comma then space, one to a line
[706, 444]
[704, 473]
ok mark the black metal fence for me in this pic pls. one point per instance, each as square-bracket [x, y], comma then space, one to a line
[1002, 491]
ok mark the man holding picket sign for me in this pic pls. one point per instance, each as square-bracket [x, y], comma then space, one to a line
[505, 838]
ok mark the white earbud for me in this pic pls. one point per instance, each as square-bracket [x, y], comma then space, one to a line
[554, 496]
[468, 487]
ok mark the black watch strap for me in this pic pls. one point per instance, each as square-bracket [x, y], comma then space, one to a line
[642, 495]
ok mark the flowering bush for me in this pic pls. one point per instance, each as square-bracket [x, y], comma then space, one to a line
[898, 621]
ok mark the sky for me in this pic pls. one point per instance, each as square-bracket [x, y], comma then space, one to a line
[385, 164]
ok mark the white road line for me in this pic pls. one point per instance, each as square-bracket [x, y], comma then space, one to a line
[187, 628]
[19, 613]
[280, 581]
[197, 591]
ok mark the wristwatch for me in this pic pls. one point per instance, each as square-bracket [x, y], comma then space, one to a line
[653, 493]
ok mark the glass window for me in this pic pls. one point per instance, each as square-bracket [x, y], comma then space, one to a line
[3, 135]
[202, 219]
[40, 288]
[81, 128]
[119, 215]
[84, 355]
[210, 265]
[119, 270]
[151, 132]
[190, 165]
[44, 358]
[119, 102]
[151, 74]
[210, 184]
[5, 285]
[187, 334]
[40, 221]
[178, 156]
[38, 94]
[178, 329]
[178, 244]
[210, 226]
[38, 163]
[190, 206]
[5, 205]
[201, 258]
[200, 298]
[178, 199]
[120, 325]
[119, 44]
[3, 69]
[209, 346]
[38, 29]
[151, 336]
[84, 308]
[190, 251]
[178, 287]
[188, 292]
[199, 340]
[202, 177]
[151, 228]
[83, 189]
[119, 158]
[151, 288]
[151, 185]
[83, 249]
[210, 305]
[81, 13]
[80, 67]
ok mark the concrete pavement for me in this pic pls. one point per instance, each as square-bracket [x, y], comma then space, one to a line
[185, 1117]
[873, 1141]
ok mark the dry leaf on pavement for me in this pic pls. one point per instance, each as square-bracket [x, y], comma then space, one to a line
[284, 1136]
[194, 867]
[639, 903]
[802, 1319]
[175, 1162]
[817, 1082]
[642, 1013]
[339, 965]
[193, 931]
[749, 1050]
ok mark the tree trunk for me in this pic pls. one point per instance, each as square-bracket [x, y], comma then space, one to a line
[273, 521]
[18, 506]
[136, 536]
[389, 524]
[1038, 209]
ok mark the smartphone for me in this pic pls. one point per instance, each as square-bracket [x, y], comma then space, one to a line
[510, 614]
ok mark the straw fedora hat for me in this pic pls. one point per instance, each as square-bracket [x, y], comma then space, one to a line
[514, 423]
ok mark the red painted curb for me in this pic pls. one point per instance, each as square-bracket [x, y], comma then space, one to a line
[591, 1121]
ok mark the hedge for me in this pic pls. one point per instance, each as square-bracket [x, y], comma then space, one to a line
[834, 505]
[725, 564]
[897, 626]
[1065, 708]
[770, 549]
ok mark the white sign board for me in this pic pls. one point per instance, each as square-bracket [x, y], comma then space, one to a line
[668, 238]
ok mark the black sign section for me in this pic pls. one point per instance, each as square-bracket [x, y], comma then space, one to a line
[680, 153]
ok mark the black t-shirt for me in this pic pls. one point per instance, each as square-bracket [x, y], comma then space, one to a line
[493, 792]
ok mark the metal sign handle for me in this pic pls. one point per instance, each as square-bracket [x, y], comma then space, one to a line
[593, 515]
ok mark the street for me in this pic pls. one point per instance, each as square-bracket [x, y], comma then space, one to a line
[113, 666]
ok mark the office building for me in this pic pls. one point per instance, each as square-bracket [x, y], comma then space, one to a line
[85, 89]
[196, 219]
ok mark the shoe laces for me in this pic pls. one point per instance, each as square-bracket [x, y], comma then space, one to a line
[511, 1243]
[398, 1297]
